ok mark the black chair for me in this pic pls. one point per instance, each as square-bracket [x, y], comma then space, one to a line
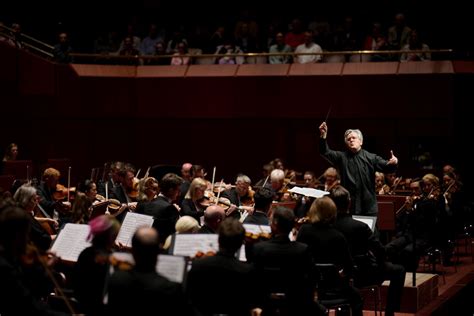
[332, 289]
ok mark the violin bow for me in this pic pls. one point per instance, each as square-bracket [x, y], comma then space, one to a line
[147, 172]
[219, 193]
[138, 173]
[213, 177]
[265, 182]
[68, 182]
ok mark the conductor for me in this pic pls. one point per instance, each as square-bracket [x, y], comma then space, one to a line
[357, 169]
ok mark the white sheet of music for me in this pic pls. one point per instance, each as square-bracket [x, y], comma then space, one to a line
[130, 225]
[309, 192]
[189, 244]
[71, 241]
[171, 267]
[369, 220]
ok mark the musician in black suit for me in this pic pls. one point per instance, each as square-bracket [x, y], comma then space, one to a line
[16, 296]
[221, 284]
[328, 245]
[162, 208]
[213, 217]
[368, 253]
[46, 189]
[285, 267]
[142, 291]
[263, 201]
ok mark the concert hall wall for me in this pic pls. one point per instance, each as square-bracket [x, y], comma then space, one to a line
[234, 117]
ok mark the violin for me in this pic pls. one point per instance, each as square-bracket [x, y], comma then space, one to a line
[121, 261]
[62, 192]
[201, 254]
[248, 199]
[253, 237]
[101, 205]
[48, 224]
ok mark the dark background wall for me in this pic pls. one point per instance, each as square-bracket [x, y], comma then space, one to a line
[238, 122]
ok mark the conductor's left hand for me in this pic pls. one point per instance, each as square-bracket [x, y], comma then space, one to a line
[393, 160]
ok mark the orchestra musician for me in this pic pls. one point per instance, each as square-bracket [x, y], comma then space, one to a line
[27, 198]
[303, 203]
[18, 297]
[122, 191]
[424, 223]
[194, 203]
[263, 201]
[46, 189]
[141, 290]
[241, 196]
[381, 187]
[279, 186]
[163, 208]
[331, 179]
[92, 265]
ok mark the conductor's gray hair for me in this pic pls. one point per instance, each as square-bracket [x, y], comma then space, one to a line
[355, 131]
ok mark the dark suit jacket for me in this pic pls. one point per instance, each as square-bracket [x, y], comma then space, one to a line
[165, 215]
[188, 208]
[47, 201]
[284, 266]
[222, 285]
[145, 293]
[359, 236]
[257, 218]
[327, 245]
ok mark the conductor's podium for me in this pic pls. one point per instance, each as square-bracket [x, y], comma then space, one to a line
[415, 298]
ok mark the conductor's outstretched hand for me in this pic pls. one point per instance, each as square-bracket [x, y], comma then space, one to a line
[393, 160]
[323, 129]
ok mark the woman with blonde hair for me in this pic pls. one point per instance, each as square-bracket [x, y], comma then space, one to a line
[191, 204]
[184, 225]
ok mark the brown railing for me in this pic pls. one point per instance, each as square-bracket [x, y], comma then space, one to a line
[28, 42]
[138, 59]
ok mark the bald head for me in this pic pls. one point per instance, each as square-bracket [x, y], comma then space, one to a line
[186, 170]
[145, 248]
[213, 216]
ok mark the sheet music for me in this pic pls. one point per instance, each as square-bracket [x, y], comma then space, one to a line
[189, 244]
[130, 225]
[369, 220]
[71, 241]
[309, 192]
[171, 267]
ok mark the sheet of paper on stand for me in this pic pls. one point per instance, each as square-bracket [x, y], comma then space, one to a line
[70, 242]
[309, 192]
[130, 225]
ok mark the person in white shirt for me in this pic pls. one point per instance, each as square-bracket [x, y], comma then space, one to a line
[308, 47]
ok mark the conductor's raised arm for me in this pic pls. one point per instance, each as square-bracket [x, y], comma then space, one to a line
[323, 130]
